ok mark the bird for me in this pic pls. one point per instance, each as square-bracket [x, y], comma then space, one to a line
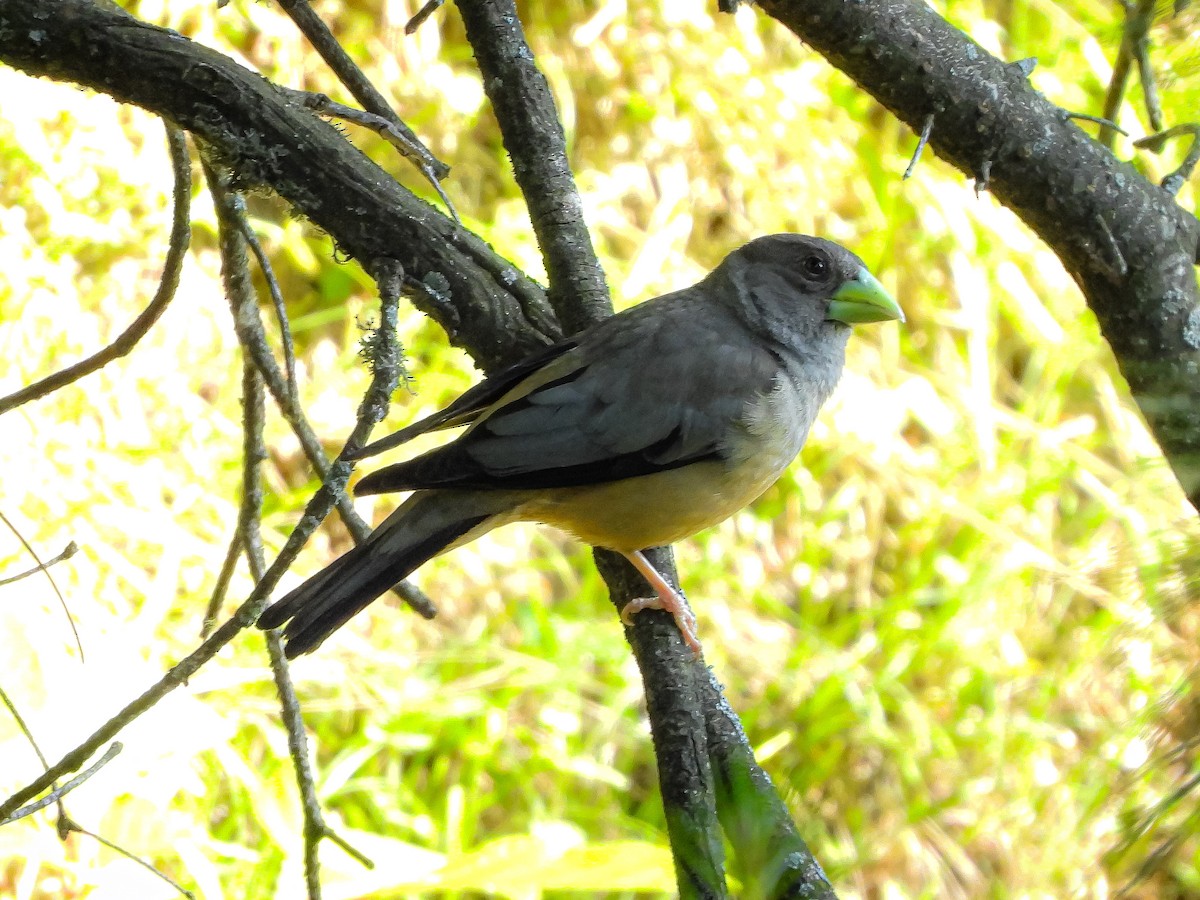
[644, 429]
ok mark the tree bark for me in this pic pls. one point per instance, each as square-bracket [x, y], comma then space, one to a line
[1130, 247]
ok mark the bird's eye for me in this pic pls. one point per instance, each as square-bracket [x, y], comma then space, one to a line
[815, 266]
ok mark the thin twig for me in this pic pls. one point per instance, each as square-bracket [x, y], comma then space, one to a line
[45, 567]
[20, 720]
[315, 826]
[252, 336]
[384, 127]
[221, 586]
[70, 550]
[58, 793]
[360, 87]
[1099, 120]
[69, 825]
[254, 452]
[423, 13]
[268, 273]
[1155, 143]
[381, 349]
[926, 131]
[1141, 52]
[1137, 25]
[181, 229]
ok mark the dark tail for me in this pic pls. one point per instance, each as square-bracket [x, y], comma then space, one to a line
[425, 525]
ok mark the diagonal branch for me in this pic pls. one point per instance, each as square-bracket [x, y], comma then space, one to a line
[487, 306]
[314, 28]
[1129, 246]
[252, 336]
[534, 139]
[181, 232]
[678, 687]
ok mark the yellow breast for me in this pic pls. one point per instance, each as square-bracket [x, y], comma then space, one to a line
[668, 506]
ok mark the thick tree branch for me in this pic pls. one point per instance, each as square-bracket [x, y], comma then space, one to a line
[1129, 246]
[675, 683]
[533, 136]
[269, 140]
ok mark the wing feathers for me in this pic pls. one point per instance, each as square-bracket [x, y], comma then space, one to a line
[623, 403]
[471, 403]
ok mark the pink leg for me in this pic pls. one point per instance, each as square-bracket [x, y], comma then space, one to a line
[667, 599]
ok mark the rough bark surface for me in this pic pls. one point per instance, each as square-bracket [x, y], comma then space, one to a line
[486, 305]
[1128, 244]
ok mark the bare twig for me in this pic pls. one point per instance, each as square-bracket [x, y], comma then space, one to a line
[45, 567]
[68, 825]
[922, 140]
[254, 451]
[20, 720]
[360, 87]
[68, 551]
[252, 336]
[384, 127]
[1099, 120]
[1138, 19]
[221, 585]
[268, 272]
[1141, 52]
[1155, 142]
[181, 224]
[385, 365]
[430, 7]
[58, 793]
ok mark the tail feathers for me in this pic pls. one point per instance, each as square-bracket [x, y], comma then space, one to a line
[413, 534]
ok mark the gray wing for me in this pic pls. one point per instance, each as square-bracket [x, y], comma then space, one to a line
[652, 389]
[470, 404]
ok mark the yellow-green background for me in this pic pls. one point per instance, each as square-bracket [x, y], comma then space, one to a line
[959, 630]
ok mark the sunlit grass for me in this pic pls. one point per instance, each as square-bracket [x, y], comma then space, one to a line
[958, 631]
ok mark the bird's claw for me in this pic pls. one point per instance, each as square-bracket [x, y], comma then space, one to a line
[684, 618]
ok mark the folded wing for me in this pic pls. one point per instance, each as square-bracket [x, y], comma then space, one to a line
[654, 394]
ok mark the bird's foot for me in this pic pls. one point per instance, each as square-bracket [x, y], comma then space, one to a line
[678, 609]
[666, 598]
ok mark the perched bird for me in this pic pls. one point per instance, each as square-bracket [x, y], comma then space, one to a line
[644, 429]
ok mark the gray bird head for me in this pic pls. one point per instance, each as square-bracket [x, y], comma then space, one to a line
[793, 287]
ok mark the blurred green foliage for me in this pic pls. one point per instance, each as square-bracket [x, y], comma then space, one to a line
[958, 630]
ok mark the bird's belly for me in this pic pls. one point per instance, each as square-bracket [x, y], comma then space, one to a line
[667, 506]
[657, 509]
